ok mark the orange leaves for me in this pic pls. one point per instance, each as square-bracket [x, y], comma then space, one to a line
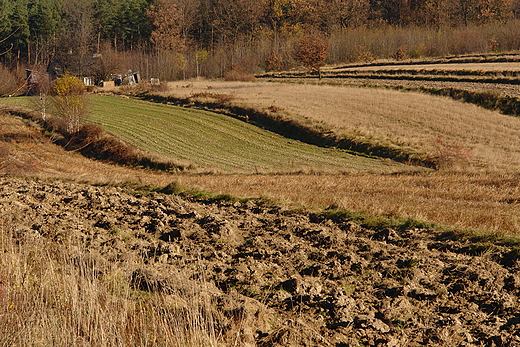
[311, 52]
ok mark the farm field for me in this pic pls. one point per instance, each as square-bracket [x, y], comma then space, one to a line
[495, 73]
[475, 68]
[103, 236]
[410, 122]
[216, 142]
[325, 257]
[483, 202]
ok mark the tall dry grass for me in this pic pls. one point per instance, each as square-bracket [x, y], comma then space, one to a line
[473, 68]
[483, 202]
[55, 294]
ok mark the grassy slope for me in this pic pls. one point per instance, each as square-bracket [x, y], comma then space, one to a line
[410, 121]
[211, 140]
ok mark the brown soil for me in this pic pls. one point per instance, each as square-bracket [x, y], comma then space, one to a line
[290, 278]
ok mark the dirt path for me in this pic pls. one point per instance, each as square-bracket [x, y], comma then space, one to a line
[290, 279]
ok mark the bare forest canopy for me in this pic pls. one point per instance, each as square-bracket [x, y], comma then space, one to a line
[182, 38]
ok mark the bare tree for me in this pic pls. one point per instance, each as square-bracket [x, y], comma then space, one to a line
[80, 38]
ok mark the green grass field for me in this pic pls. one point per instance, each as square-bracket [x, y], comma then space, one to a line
[215, 141]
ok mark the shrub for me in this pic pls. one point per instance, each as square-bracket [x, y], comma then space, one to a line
[401, 53]
[87, 134]
[415, 54]
[239, 72]
[69, 96]
[113, 149]
[494, 46]
[273, 62]
[450, 155]
[238, 75]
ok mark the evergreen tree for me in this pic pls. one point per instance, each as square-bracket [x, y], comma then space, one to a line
[44, 29]
[14, 26]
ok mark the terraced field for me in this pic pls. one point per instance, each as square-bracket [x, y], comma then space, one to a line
[405, 121]
[479, 73]
[218, 142]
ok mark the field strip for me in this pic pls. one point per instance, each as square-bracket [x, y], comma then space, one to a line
[210, 140]
[510, 66]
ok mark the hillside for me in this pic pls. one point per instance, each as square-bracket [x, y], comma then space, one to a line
[406, 125]
[99, 254]
[242, 273]
[215, 142]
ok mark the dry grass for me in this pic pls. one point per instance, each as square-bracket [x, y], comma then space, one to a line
[485, 202]
[411, 121]
[54, 295]
[39, 157]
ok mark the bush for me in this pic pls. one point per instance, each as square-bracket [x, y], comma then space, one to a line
[244, 71]
[401, 53]
[69, 97]
[87, 135]
[113, 149]
[238, 74]
[273, 62]
[450, 155]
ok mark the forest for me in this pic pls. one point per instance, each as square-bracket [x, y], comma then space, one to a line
[175, 39]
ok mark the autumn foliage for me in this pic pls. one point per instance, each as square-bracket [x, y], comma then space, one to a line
[164, 38]
[70, 103]
[311, 52]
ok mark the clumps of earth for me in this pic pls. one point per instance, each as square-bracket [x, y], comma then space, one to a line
[293, 278]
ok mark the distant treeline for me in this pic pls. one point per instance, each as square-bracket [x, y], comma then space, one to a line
[182, 38]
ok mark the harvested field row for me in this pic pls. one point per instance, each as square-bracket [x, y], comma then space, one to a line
[469, 68]
[488, 60]
[505, 90]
